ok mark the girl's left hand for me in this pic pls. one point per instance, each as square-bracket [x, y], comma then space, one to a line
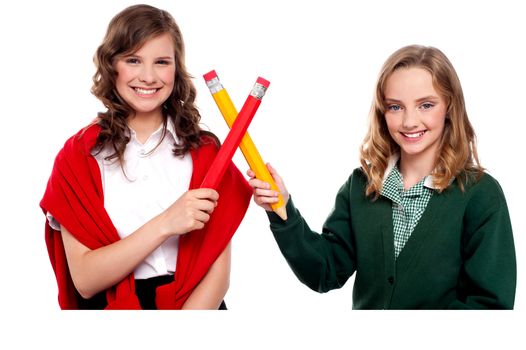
[264, 196]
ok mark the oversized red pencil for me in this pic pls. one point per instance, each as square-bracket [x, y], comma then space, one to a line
[233, 139]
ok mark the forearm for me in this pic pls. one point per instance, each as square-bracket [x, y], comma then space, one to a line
[298, 244]
[93, 271]
[322, 262]
[212, 289]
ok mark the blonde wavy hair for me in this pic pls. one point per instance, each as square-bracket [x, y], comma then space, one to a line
[457, 157]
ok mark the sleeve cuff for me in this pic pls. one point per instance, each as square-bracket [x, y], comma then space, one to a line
[55, 225]
[292, 215]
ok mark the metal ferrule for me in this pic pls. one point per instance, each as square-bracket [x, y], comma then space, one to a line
[214, 85]
[258, 91]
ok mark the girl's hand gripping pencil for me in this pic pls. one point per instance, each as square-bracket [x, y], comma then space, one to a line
[247, 146]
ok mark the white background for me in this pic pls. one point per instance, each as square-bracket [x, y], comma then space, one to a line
[322, 59]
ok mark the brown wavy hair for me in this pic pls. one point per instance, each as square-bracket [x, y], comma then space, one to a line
[457, 156]
[126, 33]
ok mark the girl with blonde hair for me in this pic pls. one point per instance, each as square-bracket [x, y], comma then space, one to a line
[420, 222]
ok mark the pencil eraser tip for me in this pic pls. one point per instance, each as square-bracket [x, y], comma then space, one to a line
[210, 75]
[263, 82]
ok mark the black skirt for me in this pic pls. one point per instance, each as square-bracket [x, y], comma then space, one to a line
[144, 289]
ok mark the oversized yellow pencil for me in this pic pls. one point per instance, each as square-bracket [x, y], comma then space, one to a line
[247, 146]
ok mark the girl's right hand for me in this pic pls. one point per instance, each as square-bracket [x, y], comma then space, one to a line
[264, 196]
[190, 212]
[96, 270]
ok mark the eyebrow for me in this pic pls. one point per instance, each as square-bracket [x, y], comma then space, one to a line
[421, 99]
[157, 58]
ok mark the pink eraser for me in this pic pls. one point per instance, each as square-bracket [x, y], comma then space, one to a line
[263, 82]
[210, 75]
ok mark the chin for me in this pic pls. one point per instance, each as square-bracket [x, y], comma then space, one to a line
[143, 109]
[411, 151]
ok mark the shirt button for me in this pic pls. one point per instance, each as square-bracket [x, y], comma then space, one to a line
[390, 279]
[142, 152]
[145, 177]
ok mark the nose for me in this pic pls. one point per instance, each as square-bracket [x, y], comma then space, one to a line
[147, 75]
[410, 119]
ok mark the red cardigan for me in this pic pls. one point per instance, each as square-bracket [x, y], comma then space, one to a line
[74, 196]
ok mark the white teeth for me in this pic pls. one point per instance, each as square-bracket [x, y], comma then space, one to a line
[144, 91]
[415, 135]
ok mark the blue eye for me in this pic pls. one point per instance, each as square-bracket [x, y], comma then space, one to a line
[427, 105]
[163, 62]
[394, 108]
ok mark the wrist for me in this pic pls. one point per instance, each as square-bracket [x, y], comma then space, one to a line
[290, 212]
[160, 226]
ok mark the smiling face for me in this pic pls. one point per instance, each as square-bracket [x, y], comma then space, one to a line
[145, 78]
[415, 114]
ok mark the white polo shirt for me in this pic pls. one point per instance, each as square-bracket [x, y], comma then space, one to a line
[153, 182]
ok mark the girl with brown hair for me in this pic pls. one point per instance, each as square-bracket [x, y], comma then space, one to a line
[123, 229]
[420, 222]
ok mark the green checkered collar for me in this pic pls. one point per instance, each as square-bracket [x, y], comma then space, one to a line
[393, 161]
[393, 184]
[393, 188]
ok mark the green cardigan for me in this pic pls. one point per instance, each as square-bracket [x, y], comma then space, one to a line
[460, 255]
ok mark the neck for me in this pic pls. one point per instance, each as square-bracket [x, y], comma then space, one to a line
[145, 124]
[415, 167]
